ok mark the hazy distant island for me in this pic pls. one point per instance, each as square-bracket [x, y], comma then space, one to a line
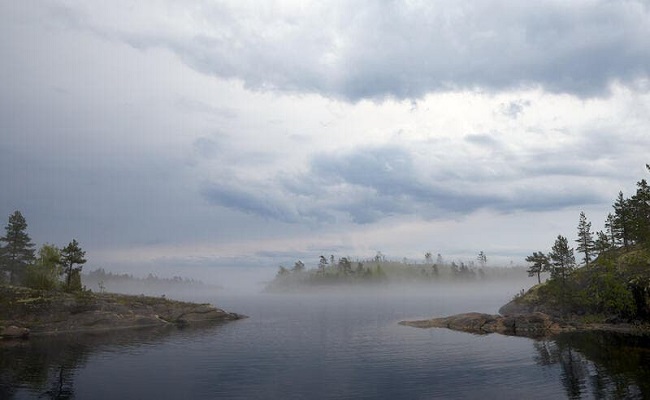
[608, 290]
[43, 293]
[332, 271]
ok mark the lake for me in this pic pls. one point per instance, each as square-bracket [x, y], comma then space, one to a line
[346, 344]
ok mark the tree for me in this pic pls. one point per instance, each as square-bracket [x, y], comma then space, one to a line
[562, 259]
[345, 266]
[45, 272]
[482, 259]
[539, 263]
[18, 250]
[428, 257]
[602, 243]
[282, 271]
[640, 213]
[585, 238]
[622, 219]
[610, 226]
[322, 264]
[298, 266]
[71, 255]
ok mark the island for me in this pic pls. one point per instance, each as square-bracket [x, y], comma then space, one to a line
[25, 312]
[607, 290]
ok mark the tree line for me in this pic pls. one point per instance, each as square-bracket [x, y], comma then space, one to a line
[48, 269]
[330, 270]
[594, 282]
[628, 226]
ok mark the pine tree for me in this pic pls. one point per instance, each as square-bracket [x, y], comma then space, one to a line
[562, 259]
[482, 259]
[623, 220]
[602, 243]
[640, 213]
[610, 226]
[71, 255]
[18, 250]
[585, 238]
[540, 263]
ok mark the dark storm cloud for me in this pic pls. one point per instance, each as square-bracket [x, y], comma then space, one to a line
[370, 184]
[401, 49]
[255, 201]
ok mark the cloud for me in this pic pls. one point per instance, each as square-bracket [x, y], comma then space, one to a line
[396, 49]
[255, 201]
[514, 108]
[370, 184]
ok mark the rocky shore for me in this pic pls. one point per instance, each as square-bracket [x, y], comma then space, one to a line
[535, 324]
[25, 312]
[532, 325]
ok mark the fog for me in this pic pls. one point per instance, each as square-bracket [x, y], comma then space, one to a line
[244, 290]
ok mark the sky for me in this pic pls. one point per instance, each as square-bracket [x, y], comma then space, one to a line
[176, 137]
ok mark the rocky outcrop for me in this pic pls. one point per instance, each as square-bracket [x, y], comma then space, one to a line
[530, 325]
[13, 332]
[53, 313]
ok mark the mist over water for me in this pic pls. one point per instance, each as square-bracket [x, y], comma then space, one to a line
[326, 342]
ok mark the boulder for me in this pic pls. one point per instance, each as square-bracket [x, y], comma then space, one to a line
[13, 332]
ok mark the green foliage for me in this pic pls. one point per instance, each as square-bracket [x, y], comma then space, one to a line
[562, 259]
[612, 296]
[72, 255]
[45, 272]
[585, 238]
[539, 263]
[74, 282]
[17, 252]
[640, 210]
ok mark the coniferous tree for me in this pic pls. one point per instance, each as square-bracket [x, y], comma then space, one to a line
[585, 238]
[322, 265]
[622, 220]
[71, 255]
[539, 263]
[562, 259]
[610, 226]
[602, 243]
[640, 213]
[298, 266]
[482, 259]
[18, 250]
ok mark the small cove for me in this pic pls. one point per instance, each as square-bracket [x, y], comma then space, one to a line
[328, 345]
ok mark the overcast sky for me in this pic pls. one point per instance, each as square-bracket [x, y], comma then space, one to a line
[166, 136]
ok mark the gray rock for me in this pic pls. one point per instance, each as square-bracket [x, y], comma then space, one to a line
[14, 332]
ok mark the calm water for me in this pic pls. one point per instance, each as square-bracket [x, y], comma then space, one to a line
[329, 346]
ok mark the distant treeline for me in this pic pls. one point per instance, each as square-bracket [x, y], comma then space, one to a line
[101, 280]
[378, 270]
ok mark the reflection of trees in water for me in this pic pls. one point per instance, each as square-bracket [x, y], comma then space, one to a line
[47, 365]
[63, 386]
[599, 364]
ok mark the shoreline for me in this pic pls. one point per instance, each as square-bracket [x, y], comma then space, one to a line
[27, 312]
[532, 325]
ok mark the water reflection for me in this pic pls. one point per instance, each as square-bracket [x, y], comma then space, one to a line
[599, 365]
[45, 367]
